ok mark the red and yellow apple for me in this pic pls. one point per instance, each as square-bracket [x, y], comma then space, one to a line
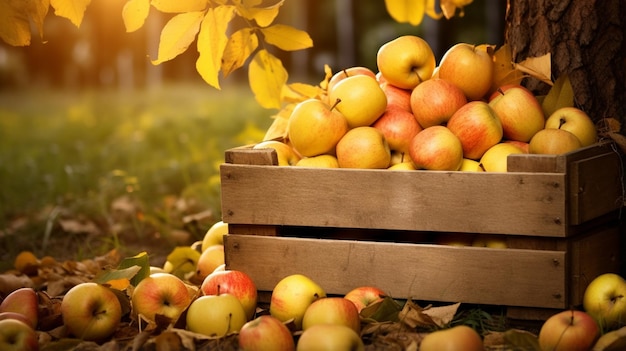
[468, 67]
[364, 296]
[348, 72]
[265, 333]
[406, 61]
[435, 101]
[397, 97]
[209, 260]
[360, 99]
[215, 315]
[478, 128]
[315, 127]
[236, 283]
[570, 330]
[519, 111]
[292, 295]
[363, 147]
[436, 148]
[160, 294]
[23, 301]
[398, 126]
[332, 310]
[458, 338]
[16, 335]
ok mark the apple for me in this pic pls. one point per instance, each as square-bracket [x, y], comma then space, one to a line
[468, 67]
[91, 311]
[285, 153]
[576, 121]
[25, 302]
[364, 296]
[236, 283]
[402, 166]
[458, 338]
[478, 128]
[209, 260]
[319, 161]
[490, 241]
[605, 300]
[519, 111]
[360, 99]
[495, 159]
[348, 72]
[406, 61]
[553, 141]
[363, 147]
[397, 97]
[470, 166]
[16, 335]
[315, 127]
[160, 294]
[570, 330]
[398, 126]
[436, 148]
[521, 144]
[265, 333]
[330, 337]
[435, 101]
[332, 310]
[215, 235]
[292, 295]
[216, 315]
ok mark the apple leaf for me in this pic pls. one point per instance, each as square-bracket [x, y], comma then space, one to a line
[239, 47]
[561, 94]
[267, 77]
[179, 32]
[406, 11]
[177, 6]
[286, 37]
[73, 10]
[538, 67]
[263, 16]
[135, 13]
[212, 42]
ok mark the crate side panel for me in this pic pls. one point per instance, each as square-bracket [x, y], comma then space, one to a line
[499, 203]
[424, 272]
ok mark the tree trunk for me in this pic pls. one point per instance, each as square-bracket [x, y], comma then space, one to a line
[586, 40]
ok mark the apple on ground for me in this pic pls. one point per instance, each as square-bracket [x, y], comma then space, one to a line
[470, 166]
[91, 311]
[364, 296]
[478, 128]
[209, 260]
[360, 99]
[287, 156]
[519, 111]
[576, 121]
[570, 330]
[348, 72]
[215, 235]
[434, 101]
[292, 295]
[363, 147]
[160, 294]
[406, 61]
[265, 333]
[458, 338]
[398, 126]
[315, 127]
[436, 148]
[332, 310]
[330, 337]
[16, 335]
[236, 283]
[605, 300]
[397, 97]
[25, 302]
[495, 159]
[553, 141]
[215, 315]
[319, 161]
[468, 67]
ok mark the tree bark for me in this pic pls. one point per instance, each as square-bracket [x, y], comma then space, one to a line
[587, 41]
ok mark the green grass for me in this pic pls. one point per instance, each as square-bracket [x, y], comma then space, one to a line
[78, 151]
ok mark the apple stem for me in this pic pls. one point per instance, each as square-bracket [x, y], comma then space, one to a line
[482, 167]
[500, 91]
[345, 71]
[561, 122]
[218, 289]
[335, 104]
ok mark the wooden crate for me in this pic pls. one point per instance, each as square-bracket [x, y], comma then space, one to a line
[347, 227]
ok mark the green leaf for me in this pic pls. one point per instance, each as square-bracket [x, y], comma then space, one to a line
[212, 42]
[238, 49]
[135, 13]
[287, 37]
[178, 33]
[179, 6]
[267, 78]
[561, 94]
[114, 277]
[74, 10]
[406, 11]
[142, 260]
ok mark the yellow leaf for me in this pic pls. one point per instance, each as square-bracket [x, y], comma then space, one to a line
[561, 94]
[286, 37]
[135, 13]
[70, 9]
[212, 42]
[278, 129]
[38, 9]
[179, 32]
[240, 46]
[449, 7]
[406, 11]
[328, 73]
[431, 11]
[538, 67]
[504, 72]
[267, 76]
[263, 16]
[297, 92]
[14, 25]
[178, 6]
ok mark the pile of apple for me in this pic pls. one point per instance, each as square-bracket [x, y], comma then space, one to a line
[414, 114]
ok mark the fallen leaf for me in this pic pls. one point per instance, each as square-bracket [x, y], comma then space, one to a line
[537, 67]
[561, 94]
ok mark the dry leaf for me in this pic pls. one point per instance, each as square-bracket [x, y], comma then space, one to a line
[413, 316]
[537, 67]
[612, 341]
[560, 95]
[504, 70]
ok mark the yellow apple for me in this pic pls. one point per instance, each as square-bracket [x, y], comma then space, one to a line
[435, 101]
[477, 126]
[330, 337]
[491, 241]
[332, 310]
[605, 300]
[363, 147]
[215, 235]
[399, 126]
[519, 111]
[575, 121]
[459, 338]
[160, 294]
[319, 161]
[436, 148]
[495, 158]
[469, 68]
[209, 260]
[397, 97]
[348, 72]
[216, 315]
[402, 166]
[286, 154]
[360, 99]
[553, 141]
[406, 61]
[265, 333]
[292, 295]
[315, 127]
[470, 166]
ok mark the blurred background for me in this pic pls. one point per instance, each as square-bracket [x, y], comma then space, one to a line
[100, 149]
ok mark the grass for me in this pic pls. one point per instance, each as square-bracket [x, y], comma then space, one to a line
[72, 155]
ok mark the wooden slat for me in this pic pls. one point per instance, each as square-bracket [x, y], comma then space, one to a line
[498, 203]
[423, 272]
[246, 155]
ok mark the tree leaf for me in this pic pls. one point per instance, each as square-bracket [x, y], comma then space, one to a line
[263, 16]
[135, 13]
[240, 46]
[179, 32]
[14, 25]
[504, 71]
[287, 37]
[267, 77]
[560, 95]
[73, 10]
[538, 67]
[119, 278]
[431, 11]
[37, 11]
[297, 92]
[449, 7]
[142, 260]
[212, 42]
[178, 6]
[406, 11]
